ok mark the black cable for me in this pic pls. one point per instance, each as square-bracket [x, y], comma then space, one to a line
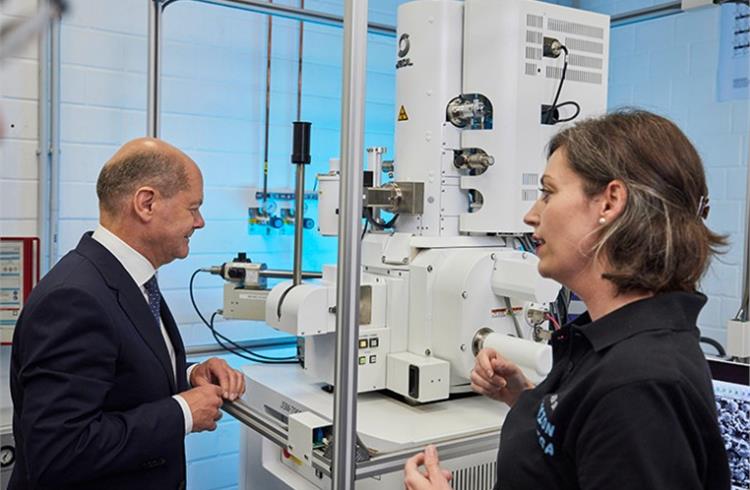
[260, 358]
[381, 225]
[575, 115]
[364, 231]
[550, 114]
[715, 344]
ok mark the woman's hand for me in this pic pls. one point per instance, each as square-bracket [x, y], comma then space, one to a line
[496, 377]
[434, 479]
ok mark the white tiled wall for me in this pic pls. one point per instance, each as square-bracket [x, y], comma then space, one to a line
[669, 66]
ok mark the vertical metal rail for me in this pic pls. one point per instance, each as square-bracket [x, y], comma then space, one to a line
[743, 314]
[54, 138]
[300, 48]
[267, 120]
[153, 125]
[44, 150]
[349, 253]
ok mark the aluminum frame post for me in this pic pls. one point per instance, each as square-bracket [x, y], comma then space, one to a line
[153, 124]
[44, 151]
[349, 252]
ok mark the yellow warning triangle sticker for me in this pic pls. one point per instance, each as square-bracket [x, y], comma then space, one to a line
[402, 116]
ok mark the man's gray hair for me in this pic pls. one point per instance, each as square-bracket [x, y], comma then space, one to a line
[120, 177]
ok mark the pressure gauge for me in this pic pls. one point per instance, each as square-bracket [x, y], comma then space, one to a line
[7, 456]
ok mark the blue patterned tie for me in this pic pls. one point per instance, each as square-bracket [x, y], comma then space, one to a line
[154, 297]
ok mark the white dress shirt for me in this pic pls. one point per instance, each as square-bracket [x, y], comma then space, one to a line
[141, 270]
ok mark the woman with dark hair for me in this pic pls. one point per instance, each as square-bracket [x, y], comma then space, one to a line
[628, 403]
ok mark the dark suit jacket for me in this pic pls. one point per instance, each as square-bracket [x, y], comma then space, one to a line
[91, 382]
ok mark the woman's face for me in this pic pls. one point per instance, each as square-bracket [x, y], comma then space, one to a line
[565, 222]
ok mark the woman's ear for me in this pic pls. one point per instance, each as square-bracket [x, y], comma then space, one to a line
[615, 196]
[143, 203]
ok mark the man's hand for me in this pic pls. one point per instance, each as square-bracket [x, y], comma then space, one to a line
[434, 479]
[204, 402]
[496, 377]
[216, 371]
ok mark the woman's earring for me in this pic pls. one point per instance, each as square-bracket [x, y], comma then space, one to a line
[602, 220]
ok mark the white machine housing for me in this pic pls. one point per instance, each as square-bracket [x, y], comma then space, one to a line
[457, 267]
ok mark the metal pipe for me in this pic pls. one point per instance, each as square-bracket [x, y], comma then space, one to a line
[54, 135]
[267, 119]
[647, 13]
[299, 211]
[349, 252]
[279, 274]
[204, 349]
[300, 49]
[289, 12]
[43, 152]
[743, 314]
[153, 125]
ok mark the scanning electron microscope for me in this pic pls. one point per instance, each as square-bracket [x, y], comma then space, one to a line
[447, 263]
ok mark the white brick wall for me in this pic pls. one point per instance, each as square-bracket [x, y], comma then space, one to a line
[669, 66]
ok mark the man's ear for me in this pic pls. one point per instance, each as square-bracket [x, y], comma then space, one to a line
[614, 198]
[143, 203]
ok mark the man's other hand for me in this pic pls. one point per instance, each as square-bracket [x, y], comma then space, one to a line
[215, 371]
[204, 402]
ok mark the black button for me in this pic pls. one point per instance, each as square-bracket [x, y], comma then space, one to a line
[374, 342]
[373, 359]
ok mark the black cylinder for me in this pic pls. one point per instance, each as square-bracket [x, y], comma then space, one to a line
[301, 142]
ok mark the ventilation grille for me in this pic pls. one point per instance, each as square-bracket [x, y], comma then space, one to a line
[584, 45]
[585, 61]
[533, 53]
[530, 179]
[575, 28]
[475, 477]
[534, 21]
[534, 37]
[529, 194]
[531, 69]
[575, 75]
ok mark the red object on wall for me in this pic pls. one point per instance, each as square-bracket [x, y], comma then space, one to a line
[19, 273]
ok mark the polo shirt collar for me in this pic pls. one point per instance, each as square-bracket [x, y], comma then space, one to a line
[666, 311]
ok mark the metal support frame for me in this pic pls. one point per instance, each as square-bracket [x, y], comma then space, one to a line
[349, 252]
[155, 11]
[48, 150]
[295, 13]
[379, 464]
[743, 314]
[648, 13]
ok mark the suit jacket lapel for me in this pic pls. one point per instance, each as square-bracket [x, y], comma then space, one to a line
[179, 349]
[131, 300]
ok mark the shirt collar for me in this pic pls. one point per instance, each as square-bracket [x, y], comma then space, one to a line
[138, 266]
[667, 311]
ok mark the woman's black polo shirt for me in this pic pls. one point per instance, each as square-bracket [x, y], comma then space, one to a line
[628, 405]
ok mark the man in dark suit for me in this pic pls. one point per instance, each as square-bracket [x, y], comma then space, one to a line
[101, 391]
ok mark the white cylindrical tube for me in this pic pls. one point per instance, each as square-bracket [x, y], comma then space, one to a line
[532, 357]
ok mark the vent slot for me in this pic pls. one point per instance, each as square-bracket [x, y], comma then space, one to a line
[575, 28]
[474, 477]
[534, 37]
[575, 75]
[585, 61]
[534, 21]
[533, 53]
[531, 69]
[529, 194]
[529, 179]
[584, 45]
